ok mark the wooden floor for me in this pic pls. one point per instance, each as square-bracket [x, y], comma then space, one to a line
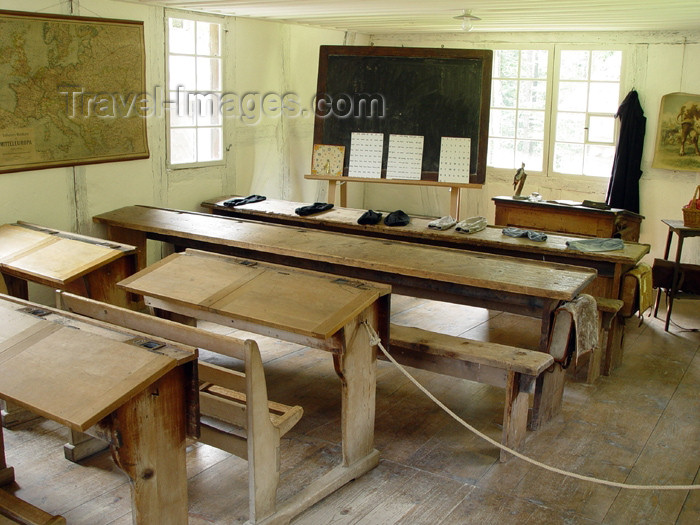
[640, 425]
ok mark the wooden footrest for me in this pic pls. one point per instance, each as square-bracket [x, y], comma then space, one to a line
[15, 510]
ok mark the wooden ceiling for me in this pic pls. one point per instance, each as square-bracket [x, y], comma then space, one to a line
[424, 16]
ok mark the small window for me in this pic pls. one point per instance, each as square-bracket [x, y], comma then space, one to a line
[195, 73]
[518, 109]
[588, 95]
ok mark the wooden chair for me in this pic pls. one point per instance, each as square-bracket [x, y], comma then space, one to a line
[235, 413]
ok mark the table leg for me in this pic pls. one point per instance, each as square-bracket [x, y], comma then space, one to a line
[669, 238]
[148, 435]
[7, 474]
[16, 287]
[12, 415]
[674, 281]
[549, 387]
[357, 368]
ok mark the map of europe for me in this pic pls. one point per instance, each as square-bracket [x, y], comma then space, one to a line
[72, 91]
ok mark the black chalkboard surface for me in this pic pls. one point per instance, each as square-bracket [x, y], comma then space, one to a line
[411, 91]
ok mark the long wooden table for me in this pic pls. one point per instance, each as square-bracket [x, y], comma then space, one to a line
[309, 308]
[611, 266]
[526, 287]
[103, 380]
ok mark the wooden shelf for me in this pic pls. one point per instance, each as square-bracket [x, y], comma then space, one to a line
[333, 180]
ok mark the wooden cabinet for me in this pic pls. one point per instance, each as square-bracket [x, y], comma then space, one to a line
[578, 220]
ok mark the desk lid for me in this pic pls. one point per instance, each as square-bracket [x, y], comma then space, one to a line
[50, 258]
[70, 375]
[300, 301]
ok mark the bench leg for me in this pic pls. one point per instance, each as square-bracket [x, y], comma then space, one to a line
[7, 474]
[148, 436]
[613, 345]
[549, 391]
[514, 413]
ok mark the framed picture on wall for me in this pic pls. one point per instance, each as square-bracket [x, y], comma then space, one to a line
[676, 145]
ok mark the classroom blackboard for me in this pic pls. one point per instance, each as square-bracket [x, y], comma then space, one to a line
[430, 92]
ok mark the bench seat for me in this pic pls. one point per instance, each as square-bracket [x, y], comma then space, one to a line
[514, 369]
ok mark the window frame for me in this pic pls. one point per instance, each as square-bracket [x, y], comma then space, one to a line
[551, 105]
[554, 108]
[548, 94]
[172, 104]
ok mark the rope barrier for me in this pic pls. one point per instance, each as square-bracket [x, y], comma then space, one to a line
[375, 340]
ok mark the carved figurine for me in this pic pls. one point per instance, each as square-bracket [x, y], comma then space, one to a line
[519, 180]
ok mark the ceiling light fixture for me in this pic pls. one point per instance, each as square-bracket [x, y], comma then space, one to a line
[467, 19]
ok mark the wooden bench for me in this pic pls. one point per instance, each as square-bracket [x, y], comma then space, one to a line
[235, 413]
[515, 369]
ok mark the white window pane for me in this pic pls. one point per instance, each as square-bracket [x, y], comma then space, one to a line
[504, 93]
[531, 125]
[601, 129]
[532, 94]
[571, 127]
[501, 153]
[568, 158]
[182, 146]
[574, 65]
[182, 73]
[181, 36]
[208, 41]
[209, 144]
[606, 65]
[208, 109]
[502, 123]
[598, 160]
[604, 97]
[572, 96]
[531, 152]
[505, 63]
[533, 63]
[181, 109]
[208, 74]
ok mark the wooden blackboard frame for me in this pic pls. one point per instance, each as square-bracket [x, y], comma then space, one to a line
[392, 59]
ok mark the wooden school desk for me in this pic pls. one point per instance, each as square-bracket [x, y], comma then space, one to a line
[510, 284]
[294, 305]
[96, 378]
[579, 220]
[84, 265]
[611, 266]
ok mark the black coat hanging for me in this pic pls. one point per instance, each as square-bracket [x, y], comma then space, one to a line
[623, 189]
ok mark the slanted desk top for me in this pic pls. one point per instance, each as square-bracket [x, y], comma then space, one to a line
[53, 257]
[299, 301]
[72, 375]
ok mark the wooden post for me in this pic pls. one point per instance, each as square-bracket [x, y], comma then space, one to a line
[357, 369]
[148, 435]
[7, 474]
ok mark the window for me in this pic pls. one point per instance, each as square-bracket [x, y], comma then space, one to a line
[588, 95]
[581, 137]
[195, 124]
[518, 104]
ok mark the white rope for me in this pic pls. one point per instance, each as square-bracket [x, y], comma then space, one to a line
[375, 340]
